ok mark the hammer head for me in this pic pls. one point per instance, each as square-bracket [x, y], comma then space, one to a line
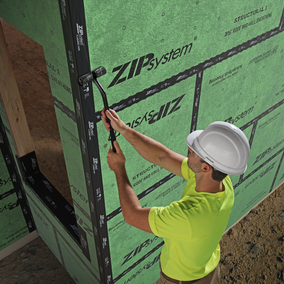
[99, 72]
[91, 76]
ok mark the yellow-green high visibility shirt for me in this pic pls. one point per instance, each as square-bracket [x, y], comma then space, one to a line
[192, 229]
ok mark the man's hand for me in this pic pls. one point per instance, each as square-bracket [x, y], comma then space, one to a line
[117, 124]
[116, 161]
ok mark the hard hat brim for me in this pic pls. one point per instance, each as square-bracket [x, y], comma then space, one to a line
[191, 137]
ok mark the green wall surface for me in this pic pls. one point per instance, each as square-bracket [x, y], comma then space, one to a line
[16, 220]
[12, 226]
[184, 48]
[52, 231]
[172, 67]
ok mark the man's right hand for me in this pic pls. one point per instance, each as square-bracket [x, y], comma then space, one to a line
[117, 124]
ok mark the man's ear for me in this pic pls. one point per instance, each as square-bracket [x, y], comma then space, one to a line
[206, 168]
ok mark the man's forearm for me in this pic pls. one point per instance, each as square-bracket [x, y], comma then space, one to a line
[131, 209]
[128, 198]
[148, 148]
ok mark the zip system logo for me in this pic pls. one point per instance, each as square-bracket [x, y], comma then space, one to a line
[133, 68]
[154, 115]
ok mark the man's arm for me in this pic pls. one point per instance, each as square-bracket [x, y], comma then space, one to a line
[148, 148]
[132, 211]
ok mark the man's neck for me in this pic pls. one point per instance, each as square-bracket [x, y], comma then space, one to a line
[208, 185]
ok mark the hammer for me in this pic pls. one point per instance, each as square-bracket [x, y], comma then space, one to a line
[93, 77]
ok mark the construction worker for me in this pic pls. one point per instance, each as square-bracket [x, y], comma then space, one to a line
[193, 226]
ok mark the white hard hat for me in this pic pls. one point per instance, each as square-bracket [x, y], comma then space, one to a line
[223, 146]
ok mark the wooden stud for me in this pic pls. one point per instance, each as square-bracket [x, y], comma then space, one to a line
[12, 102]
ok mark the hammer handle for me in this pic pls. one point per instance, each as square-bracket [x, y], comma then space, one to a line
[112, 137]
[103, 94]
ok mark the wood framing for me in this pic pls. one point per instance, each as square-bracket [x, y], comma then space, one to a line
[12, 101]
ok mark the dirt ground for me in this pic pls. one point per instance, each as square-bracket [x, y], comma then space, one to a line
[251, 252]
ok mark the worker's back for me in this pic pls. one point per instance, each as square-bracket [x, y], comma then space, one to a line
[192, 229]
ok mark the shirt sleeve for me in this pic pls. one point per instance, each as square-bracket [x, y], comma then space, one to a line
[187, 173]
[170, 222]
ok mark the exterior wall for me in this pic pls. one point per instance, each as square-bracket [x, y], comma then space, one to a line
[172, 68]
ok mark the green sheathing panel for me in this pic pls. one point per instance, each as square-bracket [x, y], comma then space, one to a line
[62, 245]
[13, 225]
[224, 62]
[121, 32]
[41, 21]
[5, 179]
[54, 234]
[172, 67]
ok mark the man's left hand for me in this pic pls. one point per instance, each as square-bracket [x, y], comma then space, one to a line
[116, 161]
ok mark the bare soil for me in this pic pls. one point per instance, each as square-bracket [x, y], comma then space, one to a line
[251, 252]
